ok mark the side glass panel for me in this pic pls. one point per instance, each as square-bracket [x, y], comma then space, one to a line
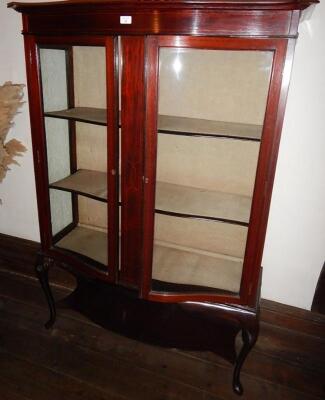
[54, 85]
[74, 103]
[210, 120]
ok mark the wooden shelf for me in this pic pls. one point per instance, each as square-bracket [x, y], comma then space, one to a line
[83, 114]
[171, 264]
[190, 201]
[191, 267]
[203, 127]
[171, 199]
[170, 124]
[87, 242]
[88, 183]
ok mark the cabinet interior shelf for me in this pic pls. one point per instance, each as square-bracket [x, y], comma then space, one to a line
[171, 199]
[89, 183]
[202, 127]
[193, 267]
[179, 200]
[88, 242]
[169, 124]
[171, 264]
[95, 116]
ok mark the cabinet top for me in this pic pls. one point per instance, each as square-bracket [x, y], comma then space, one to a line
[161, 4]
[241, 18]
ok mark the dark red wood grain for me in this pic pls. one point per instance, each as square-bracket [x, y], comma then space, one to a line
[112, 157]
[206, 17]
[132, 138]
[203, 22]
[244, 25]
[83, 5]
[72, 130]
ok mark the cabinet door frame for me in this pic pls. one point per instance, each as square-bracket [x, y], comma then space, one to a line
[32, 45]
[279, 80]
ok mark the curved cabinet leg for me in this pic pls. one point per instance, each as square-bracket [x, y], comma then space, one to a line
[41, 268]
[249, 339]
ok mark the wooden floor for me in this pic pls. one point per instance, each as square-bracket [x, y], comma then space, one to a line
[79, 360]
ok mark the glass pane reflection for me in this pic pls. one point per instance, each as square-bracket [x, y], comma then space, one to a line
[211, 112]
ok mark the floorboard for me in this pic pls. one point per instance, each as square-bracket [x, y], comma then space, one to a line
[78, 359]
[48, 383]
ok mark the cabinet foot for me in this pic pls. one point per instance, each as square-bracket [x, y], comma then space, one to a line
[249, 337]
[41, 269]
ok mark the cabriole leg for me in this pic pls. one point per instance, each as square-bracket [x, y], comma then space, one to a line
[41, 268]
[249, 338]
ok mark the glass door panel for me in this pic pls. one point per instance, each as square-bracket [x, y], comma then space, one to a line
[210, 120]
[75, 117]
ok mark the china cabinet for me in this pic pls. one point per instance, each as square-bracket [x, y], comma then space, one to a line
[156, 127]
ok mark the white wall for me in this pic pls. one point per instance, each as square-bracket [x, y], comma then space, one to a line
[18, 212]
[295, 244]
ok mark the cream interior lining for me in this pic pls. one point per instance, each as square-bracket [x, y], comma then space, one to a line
[88, 242]
[171, 264]
[201, 176]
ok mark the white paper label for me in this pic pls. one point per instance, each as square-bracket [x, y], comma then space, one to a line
[125, 19]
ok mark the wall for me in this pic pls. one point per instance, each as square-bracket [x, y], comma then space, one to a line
[294, 250]
[295, 244]
[18, 212]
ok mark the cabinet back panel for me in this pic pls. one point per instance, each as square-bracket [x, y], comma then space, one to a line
[214, 84]
[91, 147]
[208, 163]
[89, 76]
[92, 213]
[201, 235]
[89, 69]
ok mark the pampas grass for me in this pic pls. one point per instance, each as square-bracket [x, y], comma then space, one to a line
[10, 102]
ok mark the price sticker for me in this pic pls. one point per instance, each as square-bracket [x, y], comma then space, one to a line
[125, 19]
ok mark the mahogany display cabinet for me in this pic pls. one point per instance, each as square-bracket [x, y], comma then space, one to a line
[156, 127]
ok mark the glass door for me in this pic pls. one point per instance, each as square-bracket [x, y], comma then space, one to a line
[81, 140]
[205, 139]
